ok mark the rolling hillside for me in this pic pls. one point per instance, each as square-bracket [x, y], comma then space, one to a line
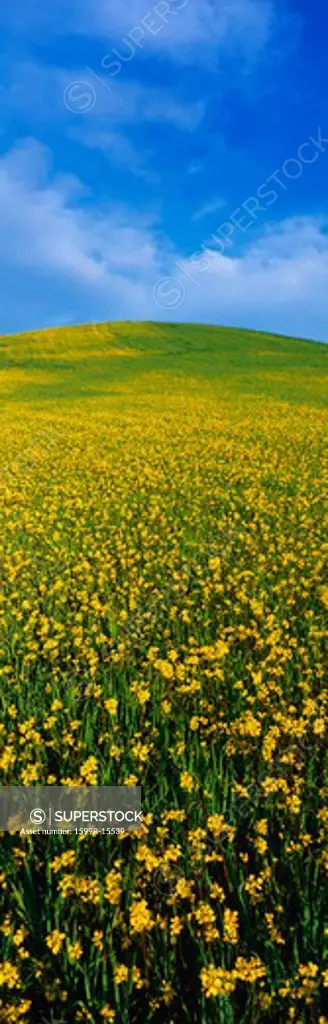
[163, 624]
[93, 359]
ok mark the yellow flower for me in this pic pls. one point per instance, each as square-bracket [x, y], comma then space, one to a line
[111, 706]
[204, 914]
[55, 940]
[261, 845]
[12, 710]
[215, 565]
[230, 926]
[74, 951]
[184, 889]
[294, 804]
[9, 975]
[186, 781]
[261, 827]
[217, 982]
[97, 939]
[30, 774]
[140, 917]
[141, 692]
[165, 668]
[249, 970]
[137, 979]
[216, 824]
[89, 771]
[66, 859]
[217, 893]
[107, 1013]
[121, 973]
[6, 928]
[57, 705]
[19, 936]
[113, 882]
[273, 931]
[8, 758]
[176, 926]
[168, 992]
[166, 707]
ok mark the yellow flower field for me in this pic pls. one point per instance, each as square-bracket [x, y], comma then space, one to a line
[163, 623]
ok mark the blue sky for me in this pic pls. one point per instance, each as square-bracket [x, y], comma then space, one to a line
[164, 161]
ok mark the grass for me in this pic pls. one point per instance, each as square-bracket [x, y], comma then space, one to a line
[163, 622]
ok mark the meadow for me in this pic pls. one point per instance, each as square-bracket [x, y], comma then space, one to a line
[163, 622]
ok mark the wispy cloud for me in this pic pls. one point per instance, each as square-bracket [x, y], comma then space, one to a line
[211, 207]
[116, 147]
[194, 167]
[42, 94]
[187, 26]
[180, 28]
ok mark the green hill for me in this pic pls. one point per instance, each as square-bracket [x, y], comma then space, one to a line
[94, 359]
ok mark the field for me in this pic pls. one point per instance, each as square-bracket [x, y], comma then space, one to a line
[163, 622]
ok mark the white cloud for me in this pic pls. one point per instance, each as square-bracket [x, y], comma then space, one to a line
[45, 231]
[51, 93]
[211, 207]
[104, 263]
[178, 26]
[184, 27]
[115, 146]
[280, 283]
